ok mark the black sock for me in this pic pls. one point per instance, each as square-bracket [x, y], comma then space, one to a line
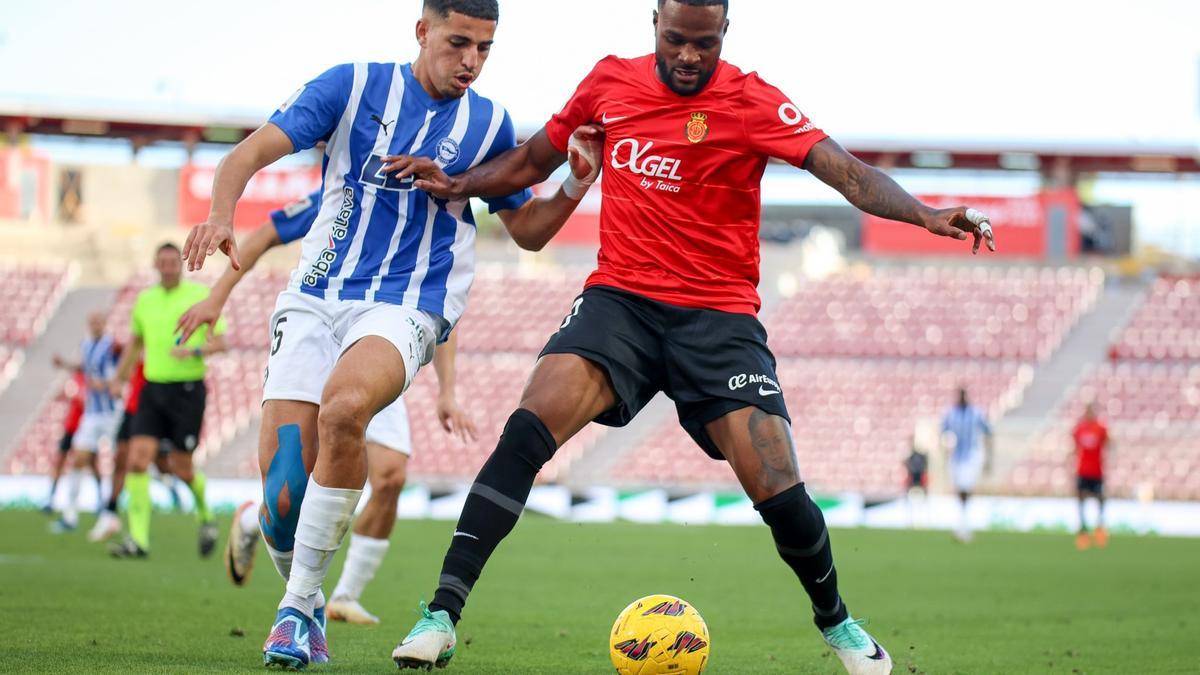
[492, 508]
[803, 542]
[112, 504]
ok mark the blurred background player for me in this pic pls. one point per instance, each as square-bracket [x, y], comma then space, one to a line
[389, 443]
[916, 477]
[172, 400]
[1091, 442]
[97, 362]
[73, 392]
[965, 425]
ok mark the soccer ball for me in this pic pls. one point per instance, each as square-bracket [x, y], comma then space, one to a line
[659, 634]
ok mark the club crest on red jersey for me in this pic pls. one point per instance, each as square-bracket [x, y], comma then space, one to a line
[697, 128]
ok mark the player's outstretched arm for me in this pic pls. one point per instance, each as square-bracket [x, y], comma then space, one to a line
[526, 165]
[537, 221]
[261, 148]
[874, 192]
[208, 310]
[454, 419]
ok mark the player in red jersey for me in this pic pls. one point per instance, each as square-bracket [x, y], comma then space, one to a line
[73, 390]
[672, 305]
[1091, 442]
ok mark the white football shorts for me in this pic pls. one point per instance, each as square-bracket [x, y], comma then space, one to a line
[94, 429]
[309, 335]
[967, 471]
[389, 428]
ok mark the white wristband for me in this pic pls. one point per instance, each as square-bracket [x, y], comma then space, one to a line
[576, 188]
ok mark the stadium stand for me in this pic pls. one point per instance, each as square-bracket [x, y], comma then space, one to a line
[38, 443]
[1166, 326]
[29, 294]
[1153, 414]
[851, 418]
[513, 310]
[10, 361]
[1019, 313]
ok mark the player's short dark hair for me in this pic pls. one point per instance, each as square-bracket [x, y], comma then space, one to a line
[700, 3]
[167, 247]
[488, 10]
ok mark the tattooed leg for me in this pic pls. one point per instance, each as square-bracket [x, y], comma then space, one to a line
[759, 448]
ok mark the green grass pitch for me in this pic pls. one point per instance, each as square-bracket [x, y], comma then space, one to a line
[1008, 603]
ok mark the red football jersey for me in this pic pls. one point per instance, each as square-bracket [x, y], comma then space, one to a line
[75, 389]
[1090, 438]
[680, 206]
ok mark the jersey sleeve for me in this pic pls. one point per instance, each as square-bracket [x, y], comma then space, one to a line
[294, 221]
[775, 127]
[580, 109]
[506, 139]
[312, 113]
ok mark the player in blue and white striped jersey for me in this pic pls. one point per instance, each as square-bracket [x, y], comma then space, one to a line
[101, 411]
[384, 274]
[963, 427]
[389, 441]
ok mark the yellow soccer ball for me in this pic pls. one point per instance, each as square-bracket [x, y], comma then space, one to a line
[659, 634]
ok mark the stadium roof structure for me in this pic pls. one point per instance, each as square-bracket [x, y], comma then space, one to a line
[1066, 159]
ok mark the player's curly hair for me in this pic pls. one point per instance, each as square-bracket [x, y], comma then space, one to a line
[488, 10]
[700, 3]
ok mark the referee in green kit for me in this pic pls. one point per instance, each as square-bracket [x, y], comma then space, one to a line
[171, 407]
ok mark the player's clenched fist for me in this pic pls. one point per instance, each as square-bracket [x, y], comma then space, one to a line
[960, 221]
[205, 240]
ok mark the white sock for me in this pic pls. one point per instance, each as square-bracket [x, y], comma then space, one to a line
[325, 517]
[282, 560]
[70, 514]
[362, 561]
[283, 565]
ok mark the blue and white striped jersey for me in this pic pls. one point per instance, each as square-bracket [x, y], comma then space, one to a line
[99, 362]
[375, 238]
[294, 221]
[967, 424]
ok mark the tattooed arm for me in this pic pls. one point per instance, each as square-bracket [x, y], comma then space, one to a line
[874, 192]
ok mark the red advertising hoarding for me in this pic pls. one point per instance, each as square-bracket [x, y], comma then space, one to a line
[24, 185]
[1035, 226]
[268, 190]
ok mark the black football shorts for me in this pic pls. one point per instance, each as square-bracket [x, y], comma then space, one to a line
[708, 362]
[173, 411]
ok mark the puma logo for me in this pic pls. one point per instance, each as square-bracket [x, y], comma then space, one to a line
[379, 120]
